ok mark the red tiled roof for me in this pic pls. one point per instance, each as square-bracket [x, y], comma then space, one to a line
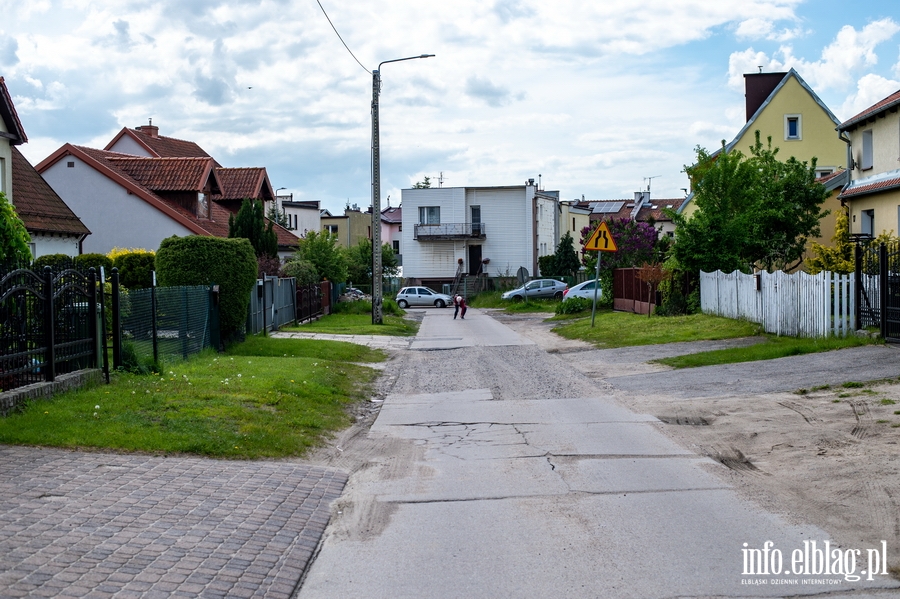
[39, 207]
[240, 183]
[162, 147]
[9, 115]
[829, 177]
[885, 104]
[168, 174]
[874, 187]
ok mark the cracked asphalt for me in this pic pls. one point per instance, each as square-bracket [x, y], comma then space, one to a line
[495, 470]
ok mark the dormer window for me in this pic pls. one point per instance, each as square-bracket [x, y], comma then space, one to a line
[202, 205]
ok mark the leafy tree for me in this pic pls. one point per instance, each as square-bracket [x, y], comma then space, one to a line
[754, 211]
[279, 217]
[838, 258]
[426, 184]
[250, 223]
[14, 238]
[566, 261]
[321, 250]
[359, 262]
[302, 270]
[636, 243]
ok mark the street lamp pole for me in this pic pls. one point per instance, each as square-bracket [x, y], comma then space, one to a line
[377, 278]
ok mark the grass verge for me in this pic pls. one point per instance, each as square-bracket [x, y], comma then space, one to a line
[491, 299]
[265, 398]
[773, 347]
[355, 318]
[621, 329]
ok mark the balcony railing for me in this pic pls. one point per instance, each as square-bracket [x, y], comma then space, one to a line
[450, 231]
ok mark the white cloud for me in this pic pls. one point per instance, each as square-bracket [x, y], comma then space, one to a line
[841, 62]
[870, 89]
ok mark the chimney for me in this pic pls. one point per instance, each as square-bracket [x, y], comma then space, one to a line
[149, 129]
[758, 87]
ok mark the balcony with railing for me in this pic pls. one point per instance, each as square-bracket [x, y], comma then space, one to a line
[449, 231]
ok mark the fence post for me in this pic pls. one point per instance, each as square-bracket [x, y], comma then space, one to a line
[186, 322]
[215, 335]
[105, 355]
[153, 321]
[116, 323]
[882, 291]
[92, 306]
[857, 291]
[49, 322]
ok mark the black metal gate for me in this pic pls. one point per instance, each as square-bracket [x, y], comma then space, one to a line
[878, 288]
[48, 324]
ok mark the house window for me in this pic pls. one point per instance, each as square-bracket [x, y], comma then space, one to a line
[476, 220]
[202, 205]
[866, 161]
[792, 128]
[70, 164]
[333, 229]
[32, 247]
[868, 221]
[429, 215]
[824, 172]
[396, 244]
[3, 175]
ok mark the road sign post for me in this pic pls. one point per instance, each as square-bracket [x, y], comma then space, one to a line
[600, 241]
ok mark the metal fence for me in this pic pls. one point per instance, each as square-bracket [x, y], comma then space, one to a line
[271, 304]
[165, 323]
[878, 288]
[48, 324]
[798, 304]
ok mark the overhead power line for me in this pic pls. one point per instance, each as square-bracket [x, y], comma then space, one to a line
[340, 38]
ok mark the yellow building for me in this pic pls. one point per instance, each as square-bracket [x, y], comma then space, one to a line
[350, 228]
[873, 194]
[783, 106]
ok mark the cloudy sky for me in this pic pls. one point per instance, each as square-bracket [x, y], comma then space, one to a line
[594, 96]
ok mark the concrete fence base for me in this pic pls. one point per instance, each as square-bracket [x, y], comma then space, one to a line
[14, 399]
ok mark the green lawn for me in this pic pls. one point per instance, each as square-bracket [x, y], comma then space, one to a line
[620, 329]
[357, 324]
[773, 347]
[265, 398]
[491, 299]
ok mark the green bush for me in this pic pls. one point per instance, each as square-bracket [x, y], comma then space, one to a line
[136, 269]
[303, 270]
[55, 261]
[228, 263]
[388, 307]
[574, 305]
[95, 261]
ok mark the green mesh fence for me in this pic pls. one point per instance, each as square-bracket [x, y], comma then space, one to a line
[181, 326]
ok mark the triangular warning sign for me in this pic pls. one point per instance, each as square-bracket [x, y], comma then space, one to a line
[602, 240]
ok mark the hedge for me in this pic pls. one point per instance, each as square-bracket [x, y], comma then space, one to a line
[228, 263]
[135, 269]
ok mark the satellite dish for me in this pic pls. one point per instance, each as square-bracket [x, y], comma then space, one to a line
[522, 275]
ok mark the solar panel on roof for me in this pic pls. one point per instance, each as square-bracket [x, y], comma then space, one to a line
[607, 207]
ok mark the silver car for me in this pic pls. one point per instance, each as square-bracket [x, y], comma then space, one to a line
[422, 296]
[539, 288]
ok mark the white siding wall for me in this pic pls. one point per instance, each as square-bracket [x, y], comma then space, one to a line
[505, 212]
[127, 145]
[54, 244]
[5, 164]
[547, 235]
[308, 219]
[115, 217]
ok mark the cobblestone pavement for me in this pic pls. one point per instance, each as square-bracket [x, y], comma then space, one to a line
[83, 524]
[377, 341]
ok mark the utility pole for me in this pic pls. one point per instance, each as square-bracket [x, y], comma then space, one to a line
[377, 278]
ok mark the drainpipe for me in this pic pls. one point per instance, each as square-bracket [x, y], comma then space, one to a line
[846, 140]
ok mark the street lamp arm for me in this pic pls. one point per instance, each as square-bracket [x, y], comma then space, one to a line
[407, 58]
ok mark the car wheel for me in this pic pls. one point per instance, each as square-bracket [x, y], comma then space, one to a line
[440, 304]
[517, 298]
[403, 304]
[558, 295]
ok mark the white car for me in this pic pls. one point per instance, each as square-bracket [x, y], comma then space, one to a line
[539, 288]
[585, 290]
[422, 296]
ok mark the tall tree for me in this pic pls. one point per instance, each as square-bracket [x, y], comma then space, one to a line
[250, 223]
[566, 259]
[321, 250]
[359, 262]
[426, 184]
[751, 211]
[14, 238]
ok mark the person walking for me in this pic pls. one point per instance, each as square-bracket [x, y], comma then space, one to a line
[455, 306]
[462, 307]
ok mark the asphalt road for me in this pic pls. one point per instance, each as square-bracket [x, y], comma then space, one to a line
[502, 472]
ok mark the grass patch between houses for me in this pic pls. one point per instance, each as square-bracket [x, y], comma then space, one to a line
[774, 347]
[492, 299]
[265, 398]
[355, 318]
[620, 329]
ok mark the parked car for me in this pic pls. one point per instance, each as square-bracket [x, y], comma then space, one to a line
[422, 296]
[585, 290]
[545, 288]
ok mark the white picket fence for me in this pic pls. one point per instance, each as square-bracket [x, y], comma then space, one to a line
[795, 305]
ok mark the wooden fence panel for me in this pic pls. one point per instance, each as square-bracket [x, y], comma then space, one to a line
[796, 305]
